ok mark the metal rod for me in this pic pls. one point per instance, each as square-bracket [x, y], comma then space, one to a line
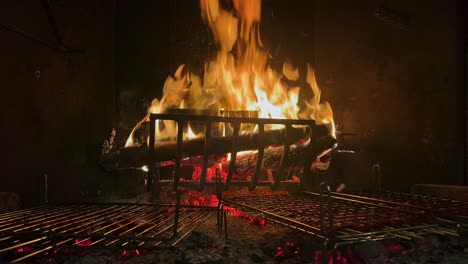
[86, 218]
[176, 214]
[232, 162]
[94, 219]
[382, 232]
[96, 224]
[101, 228]
[381, 201]
[284, 156]
[225, 225]
[206, 152]
[371, 204]
[151, 178]
[232, 119]
[174, 225]
[23, 244]
[270, 215]
[435, 208]
[10, 215]
[125, 223]
[260, 153]
[36, 220]
[196, 220]
[157, 219]
[179, 154]
[154, 227]
[34, 253]
[26, 215]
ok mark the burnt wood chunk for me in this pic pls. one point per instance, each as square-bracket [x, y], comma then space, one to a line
[166, 151]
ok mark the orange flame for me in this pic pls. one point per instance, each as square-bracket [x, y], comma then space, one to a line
[240, 80]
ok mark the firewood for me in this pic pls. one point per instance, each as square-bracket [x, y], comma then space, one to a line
[245, 163]
[166, 151]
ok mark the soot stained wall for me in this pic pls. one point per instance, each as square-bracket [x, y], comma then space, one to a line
[142, 55]
[56, 108]
[396, 82]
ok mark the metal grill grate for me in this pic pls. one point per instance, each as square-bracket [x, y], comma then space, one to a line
[447, 212]
[43, 229]
[421, 202]
[341, 219]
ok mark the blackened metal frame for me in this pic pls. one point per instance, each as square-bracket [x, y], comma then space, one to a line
[182, 121]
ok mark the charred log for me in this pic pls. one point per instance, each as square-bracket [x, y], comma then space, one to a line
[166, 151]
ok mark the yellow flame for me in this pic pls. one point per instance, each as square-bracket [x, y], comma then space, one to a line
[239, 77]
[190, 133]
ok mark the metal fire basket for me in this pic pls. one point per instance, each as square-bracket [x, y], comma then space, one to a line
[237, 142]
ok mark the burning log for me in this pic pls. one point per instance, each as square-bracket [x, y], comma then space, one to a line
[271, 160]
[166, 151]
[297, 157]
[245, 163]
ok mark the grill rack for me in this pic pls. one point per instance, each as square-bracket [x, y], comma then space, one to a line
[343, 219]
[29, 233]
[449, 212]
[422, 202]
[347, 220]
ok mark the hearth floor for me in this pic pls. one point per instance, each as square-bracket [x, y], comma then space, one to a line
[254, 241]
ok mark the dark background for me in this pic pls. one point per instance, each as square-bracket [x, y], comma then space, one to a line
[393, 71]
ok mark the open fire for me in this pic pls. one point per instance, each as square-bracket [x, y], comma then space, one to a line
[238, 81]
[237, 78]
[236, 121]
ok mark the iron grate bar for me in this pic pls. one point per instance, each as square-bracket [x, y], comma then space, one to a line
[96, 226]
[232, 162]
[205, 156]
[347, 220]
[260, 153]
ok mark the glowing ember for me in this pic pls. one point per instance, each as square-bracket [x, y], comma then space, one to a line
[279, 252]
[254, 220]
[238, 77]
[288, 251]
[198, 199]
[24, 250]
[395, 248]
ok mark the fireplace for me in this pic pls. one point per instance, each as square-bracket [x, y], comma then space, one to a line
[393, 73]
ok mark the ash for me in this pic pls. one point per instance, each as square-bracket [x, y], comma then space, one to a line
[253, 240]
